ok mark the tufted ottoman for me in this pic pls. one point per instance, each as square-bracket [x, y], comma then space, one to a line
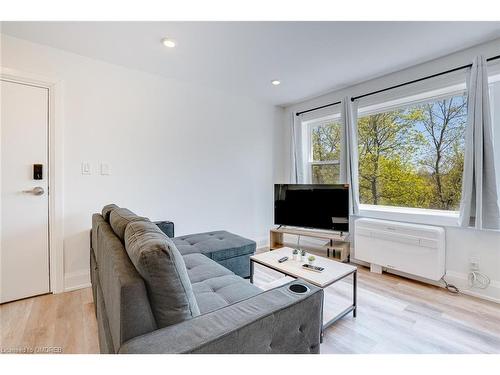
[228, 249]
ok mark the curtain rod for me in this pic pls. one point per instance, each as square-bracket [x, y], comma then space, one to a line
[420, 79]
[316, 108]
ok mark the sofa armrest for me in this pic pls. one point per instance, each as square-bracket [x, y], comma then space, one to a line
[166, 227]
[274, 321]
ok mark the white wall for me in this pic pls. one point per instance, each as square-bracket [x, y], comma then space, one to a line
[191, 154]
[462, 244]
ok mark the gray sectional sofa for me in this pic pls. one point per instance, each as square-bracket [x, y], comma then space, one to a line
[156, 294]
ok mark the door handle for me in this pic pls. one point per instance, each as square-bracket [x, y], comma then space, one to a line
[37, 190]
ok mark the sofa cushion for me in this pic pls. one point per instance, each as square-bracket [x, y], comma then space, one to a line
[119, 218]
[106, 210]
[161, 265]
[215, 293]
[200, 268]
[219, 245]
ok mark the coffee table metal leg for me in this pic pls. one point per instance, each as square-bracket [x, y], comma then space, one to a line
[322, 333]
[354, 292]
[347, 310]
[251, 271]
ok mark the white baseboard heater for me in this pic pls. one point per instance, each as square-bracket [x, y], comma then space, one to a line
[414, 249]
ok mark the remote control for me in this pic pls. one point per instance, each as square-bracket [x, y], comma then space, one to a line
[284, 259]
[313, 268]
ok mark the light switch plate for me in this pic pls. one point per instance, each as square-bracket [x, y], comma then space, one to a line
[86, 168]
[105, 169]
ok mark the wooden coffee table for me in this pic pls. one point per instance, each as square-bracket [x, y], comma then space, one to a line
[333, 271]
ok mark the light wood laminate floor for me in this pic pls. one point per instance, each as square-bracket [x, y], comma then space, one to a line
[395, 315]
[55, 322]
[398, 315]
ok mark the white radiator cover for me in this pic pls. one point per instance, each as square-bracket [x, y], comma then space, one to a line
[414, 249]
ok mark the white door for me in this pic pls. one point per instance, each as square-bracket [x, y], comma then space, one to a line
[24, 246]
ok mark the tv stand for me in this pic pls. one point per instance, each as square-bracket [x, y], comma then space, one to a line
[337, 243]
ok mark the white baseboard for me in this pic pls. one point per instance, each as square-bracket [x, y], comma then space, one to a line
[76, 280]
[460, 280]
[262, 242]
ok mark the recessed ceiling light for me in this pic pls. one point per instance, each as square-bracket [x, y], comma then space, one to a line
[167, 42]
[275, 82]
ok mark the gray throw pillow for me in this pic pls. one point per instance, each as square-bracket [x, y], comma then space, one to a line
[119, 218]
[163, 269]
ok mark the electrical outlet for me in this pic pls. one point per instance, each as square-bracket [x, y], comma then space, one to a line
[105, 169]
[474, 264]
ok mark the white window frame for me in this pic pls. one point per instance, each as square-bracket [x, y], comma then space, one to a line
[309, 126]
[411, 214]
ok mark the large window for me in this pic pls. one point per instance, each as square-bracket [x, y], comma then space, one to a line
[324, 150]
[410, 148]
[411, 155]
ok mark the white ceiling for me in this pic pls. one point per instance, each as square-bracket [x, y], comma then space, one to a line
[243, 57]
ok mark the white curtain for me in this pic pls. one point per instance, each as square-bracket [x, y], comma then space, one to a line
[297, 155]
[349, 154]
[479, 204]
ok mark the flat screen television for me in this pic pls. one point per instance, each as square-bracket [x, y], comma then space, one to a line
[312, 206]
